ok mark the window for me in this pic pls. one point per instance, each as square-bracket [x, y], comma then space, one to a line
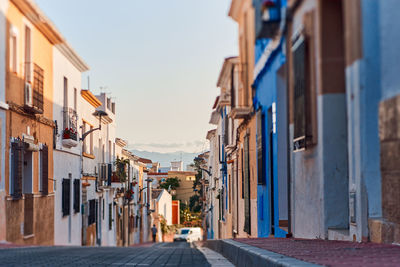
[242, 169]
[260, 147]
[109, 103]
[77, 195]
[104, 207]
[65, 95]
[113, 107]
[299, 66]
[246, 183]
[232, 84]
[103, 152]
[109, 151]
[75, 99]
[91, 141]
[44, 170]
[84, 141]
[17, 168]
[92, 212]
[110, 220]
[226, 130]
[13, 52]
[66, 196]
[28, 61]
[113, 152]
[38, 83]
[304, 82]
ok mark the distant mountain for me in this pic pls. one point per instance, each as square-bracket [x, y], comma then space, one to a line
[165, 158]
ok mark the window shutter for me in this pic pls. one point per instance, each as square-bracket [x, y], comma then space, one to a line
[246, 186]
[226, 130]
[77, 195]
[17, 161]
[45, 169]
[92, 212]
[260, 150]
[109, 216]
[299, 69]
[66, 200]
[242, 169]
[109, 172]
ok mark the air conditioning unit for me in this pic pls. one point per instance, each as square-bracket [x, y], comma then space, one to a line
[28, 95]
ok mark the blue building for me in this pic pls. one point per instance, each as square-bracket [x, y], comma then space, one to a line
[270, 103]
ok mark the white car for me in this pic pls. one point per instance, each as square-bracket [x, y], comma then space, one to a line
[188, 234]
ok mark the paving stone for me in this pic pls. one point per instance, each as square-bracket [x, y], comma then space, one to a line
[169, 254]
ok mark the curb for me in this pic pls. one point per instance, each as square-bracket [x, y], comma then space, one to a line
[242, 254]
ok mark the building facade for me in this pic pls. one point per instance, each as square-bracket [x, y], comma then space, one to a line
[67, 104]
[29, 187]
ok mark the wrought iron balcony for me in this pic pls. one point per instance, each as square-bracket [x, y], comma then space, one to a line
[70, 133]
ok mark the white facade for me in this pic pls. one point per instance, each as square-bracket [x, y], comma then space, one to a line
[67, 73]
[177, 166]
[98, 148]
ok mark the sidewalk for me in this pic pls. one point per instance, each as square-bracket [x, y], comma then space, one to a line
[4, 245]
[304, 252]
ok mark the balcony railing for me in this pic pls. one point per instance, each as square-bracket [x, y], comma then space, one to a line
[70, 133]
[70, 119]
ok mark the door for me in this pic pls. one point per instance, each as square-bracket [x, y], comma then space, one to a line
[270, 136]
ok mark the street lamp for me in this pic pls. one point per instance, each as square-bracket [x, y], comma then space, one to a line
[97, 113]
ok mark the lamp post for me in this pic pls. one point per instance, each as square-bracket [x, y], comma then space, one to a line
[100, 114]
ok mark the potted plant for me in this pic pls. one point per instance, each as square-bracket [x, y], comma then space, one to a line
[69, 138]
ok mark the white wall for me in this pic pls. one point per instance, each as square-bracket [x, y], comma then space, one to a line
[165, 206]
[67, 230]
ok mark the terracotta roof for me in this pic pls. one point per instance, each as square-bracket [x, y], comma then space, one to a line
[143, 160]
[182, 172]
[158, 173]
[155, 193]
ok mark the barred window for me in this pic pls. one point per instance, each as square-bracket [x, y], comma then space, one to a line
[38, 84]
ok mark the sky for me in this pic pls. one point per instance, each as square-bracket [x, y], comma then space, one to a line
[160, 60]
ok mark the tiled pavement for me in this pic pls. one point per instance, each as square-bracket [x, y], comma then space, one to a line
[331, 253]
[161, 254]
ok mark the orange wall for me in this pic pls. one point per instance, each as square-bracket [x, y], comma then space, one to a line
[42, 55]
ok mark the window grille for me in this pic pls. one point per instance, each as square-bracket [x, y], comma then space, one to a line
[38, 84]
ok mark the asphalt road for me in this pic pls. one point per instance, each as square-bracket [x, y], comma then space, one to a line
[161, 254]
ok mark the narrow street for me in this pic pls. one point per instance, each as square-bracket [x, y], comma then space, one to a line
[160, 254]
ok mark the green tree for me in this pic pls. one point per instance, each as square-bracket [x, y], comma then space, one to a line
[173, 182]
[194, 203]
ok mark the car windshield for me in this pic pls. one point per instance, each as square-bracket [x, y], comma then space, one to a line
[184, 231]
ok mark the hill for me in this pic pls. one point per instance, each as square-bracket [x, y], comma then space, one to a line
[165, 158]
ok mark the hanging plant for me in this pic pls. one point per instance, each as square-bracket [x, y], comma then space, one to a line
[129, 194]
[121, 165]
